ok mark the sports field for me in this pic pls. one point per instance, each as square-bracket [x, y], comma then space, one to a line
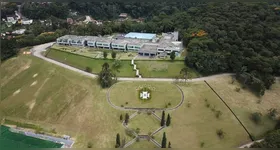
[10, 139]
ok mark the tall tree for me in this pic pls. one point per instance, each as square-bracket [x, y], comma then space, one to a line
[126, 119]
[163, 142]
[172, 55]
[121, 117]
[118, 141]
[168, 121]
[162, 122]
[105, 54]
[116, 65]
[114, 54]
[106, 77]
[184, 73]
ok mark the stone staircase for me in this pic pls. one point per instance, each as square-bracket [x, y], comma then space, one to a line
[155, 142]
[130, 142]
[135, 68]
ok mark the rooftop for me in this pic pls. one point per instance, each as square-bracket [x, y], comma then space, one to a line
[136, 35]
[148, 48]
[103, 39]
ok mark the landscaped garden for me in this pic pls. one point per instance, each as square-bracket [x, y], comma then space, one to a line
[127, 94]
[81, 58]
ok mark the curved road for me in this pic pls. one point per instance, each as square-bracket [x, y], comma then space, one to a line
[37, 51]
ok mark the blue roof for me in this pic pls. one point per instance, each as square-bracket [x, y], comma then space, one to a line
[147, 36]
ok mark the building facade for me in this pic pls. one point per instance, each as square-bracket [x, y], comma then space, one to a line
[142, 43]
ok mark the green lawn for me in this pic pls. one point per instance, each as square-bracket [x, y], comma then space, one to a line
[81, 62]
[244, 103]
[146, 123]
[162, 69]
[124, 92]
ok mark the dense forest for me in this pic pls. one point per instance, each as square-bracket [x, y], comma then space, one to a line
[243, 38]
[104, 10]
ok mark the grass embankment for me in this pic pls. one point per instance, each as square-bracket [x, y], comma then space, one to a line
[162, 93]
[244, 103]
[81, 62]
[34, 91]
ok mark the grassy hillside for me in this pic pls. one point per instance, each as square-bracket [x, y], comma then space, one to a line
[36, 91]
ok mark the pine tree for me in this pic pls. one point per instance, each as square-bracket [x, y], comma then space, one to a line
[169, 145]
[118, 141]
[121, 117]
[163, 142]
[162, 122]
[126, 118]
[168, 121]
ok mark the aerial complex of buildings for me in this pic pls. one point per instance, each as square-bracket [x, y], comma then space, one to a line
[146, 44]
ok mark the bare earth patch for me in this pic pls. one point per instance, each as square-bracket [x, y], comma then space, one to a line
[16, 92]
[35, 75]
[34, 83]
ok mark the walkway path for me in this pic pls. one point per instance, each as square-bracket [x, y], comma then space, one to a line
[135, 67]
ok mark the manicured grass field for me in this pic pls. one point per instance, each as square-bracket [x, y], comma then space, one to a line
[195, 124]
[81, 62]
[146, 123]
[38, 92]
[244, 103]
[162, 94]
[163, 69]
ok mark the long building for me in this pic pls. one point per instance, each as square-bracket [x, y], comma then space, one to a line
[144, 43]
